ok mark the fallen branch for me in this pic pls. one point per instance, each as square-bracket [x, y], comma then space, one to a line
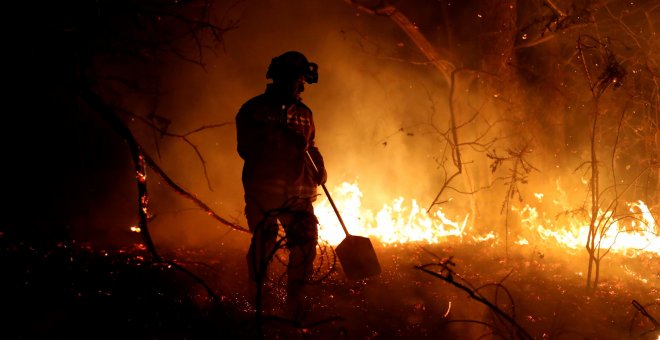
[643, 311]
[154, 166]
[447, 274]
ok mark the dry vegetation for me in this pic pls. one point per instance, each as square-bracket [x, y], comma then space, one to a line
[585, 73]
[69, 290]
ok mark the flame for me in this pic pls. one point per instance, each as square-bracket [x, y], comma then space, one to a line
[628, 234]
[404, 221]
[393, 223]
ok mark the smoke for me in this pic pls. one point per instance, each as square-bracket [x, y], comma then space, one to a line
[368, 107]
[381, 110]
[382, 119]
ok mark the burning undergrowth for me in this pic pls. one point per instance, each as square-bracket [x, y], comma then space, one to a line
[545, 90]
[71, 289]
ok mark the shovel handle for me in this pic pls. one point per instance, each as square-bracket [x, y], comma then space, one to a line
[327, 194]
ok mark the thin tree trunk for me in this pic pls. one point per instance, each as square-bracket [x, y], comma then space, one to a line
[138, 160]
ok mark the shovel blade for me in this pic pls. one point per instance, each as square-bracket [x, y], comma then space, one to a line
[358, 257]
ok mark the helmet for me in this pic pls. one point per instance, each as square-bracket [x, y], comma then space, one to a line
[292, 64]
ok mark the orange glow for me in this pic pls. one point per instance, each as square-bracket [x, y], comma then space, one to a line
[398, 222]
[404, 221]
[628, 236]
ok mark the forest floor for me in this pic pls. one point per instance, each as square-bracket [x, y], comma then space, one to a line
[70, 290]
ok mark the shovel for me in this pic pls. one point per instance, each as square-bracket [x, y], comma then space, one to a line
[356, 253]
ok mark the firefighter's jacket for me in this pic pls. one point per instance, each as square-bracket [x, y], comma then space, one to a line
[273, 135]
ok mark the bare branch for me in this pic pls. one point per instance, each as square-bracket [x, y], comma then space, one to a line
[447, 274]
[161, 125]
[153, 165]
[443, 66]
